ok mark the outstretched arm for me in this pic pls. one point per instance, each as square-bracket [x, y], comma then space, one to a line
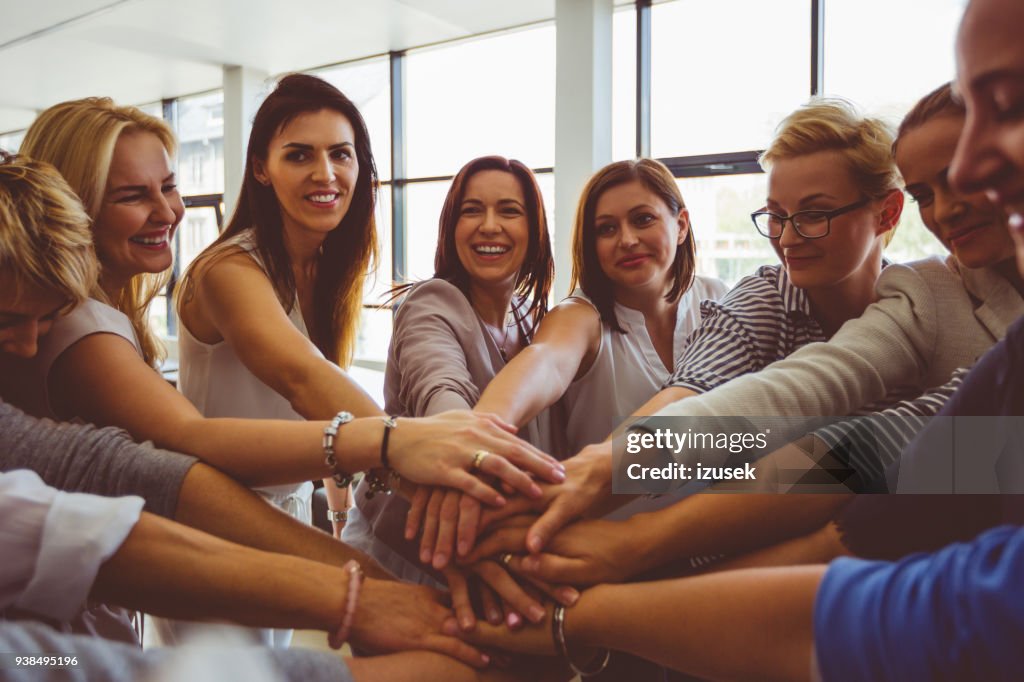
[740, 625]
[566, 343]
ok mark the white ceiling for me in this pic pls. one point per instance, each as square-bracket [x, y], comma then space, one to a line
[139, 51]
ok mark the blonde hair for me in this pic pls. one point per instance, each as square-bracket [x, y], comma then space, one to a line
[834, 124]
[78, 138]
[45, 242]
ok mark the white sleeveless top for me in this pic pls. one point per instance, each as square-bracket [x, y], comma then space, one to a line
[218, 383]
[627, 371]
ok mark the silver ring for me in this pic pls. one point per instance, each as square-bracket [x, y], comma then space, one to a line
[506, 559]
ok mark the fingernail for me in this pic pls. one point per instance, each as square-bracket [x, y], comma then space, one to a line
[536, 613]
[485, 658]
[493, 617]
[568, 596]
[408, 533]
[450, 627]
[463, 548]
[559, 474]
[514, 620]
[440, 560]
[425, 556]
[467, 623]
[500, 501]
[533, 544]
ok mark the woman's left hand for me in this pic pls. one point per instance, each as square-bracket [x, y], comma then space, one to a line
[444, 450]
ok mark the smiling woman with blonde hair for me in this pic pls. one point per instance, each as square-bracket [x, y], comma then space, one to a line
[79, 138]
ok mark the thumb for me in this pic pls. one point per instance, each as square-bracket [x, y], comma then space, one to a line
[550, 522]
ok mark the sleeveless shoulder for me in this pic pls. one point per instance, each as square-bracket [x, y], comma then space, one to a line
[91, 317]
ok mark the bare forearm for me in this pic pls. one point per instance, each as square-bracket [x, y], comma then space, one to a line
[527, 385]
[819, 547]
[170, 570]
[263, 452]
[325, 390]
[710, 523]
[217, 504]
[755, 624]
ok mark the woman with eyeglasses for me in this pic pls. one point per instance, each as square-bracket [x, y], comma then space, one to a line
[932, 318]
[833, 203]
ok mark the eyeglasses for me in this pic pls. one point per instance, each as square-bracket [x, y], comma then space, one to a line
[808, 224]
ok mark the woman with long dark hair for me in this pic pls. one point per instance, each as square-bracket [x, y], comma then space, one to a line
[453, 333]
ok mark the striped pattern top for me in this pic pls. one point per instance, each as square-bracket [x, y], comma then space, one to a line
[762, 319]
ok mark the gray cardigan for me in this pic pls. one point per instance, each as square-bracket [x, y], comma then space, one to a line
[932, 317]
[441, 358]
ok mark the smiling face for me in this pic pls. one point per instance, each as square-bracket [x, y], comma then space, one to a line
[990, 78]
[822, 181]
[25, 320]
[311, 164]
[141, 208]
[969, 225]
[637, 235]
[492, 233]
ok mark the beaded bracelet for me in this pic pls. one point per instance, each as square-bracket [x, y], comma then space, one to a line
[355, 581]
[558, 632]
[341, 480]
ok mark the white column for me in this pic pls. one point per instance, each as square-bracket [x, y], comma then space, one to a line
[244, 89]
[583, 113]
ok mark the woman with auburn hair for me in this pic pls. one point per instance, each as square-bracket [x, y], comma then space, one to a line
[91, 365]
[453, 333]
[636, 298]
[612, 343]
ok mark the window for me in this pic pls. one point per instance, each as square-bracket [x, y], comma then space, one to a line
[493, 95]
[200, 130]
[11, 142]
[728, 246]
[715, 91]
[886, 54]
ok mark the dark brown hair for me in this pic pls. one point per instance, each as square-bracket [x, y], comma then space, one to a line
[586, 269]
[348, 252]
[938, 102]
[533, 282]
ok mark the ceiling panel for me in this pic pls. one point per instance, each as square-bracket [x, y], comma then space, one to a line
[144, 50]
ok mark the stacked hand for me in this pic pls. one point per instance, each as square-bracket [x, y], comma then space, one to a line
[507, 570]
[448, 449]
[448, 518]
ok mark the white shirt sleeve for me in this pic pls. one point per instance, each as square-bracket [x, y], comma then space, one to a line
[53, 543]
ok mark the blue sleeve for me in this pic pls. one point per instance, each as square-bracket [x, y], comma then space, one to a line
[957, 614]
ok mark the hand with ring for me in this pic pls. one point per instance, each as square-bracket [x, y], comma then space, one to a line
[449, 448]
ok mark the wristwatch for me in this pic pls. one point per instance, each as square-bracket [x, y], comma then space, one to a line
[337, 516]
